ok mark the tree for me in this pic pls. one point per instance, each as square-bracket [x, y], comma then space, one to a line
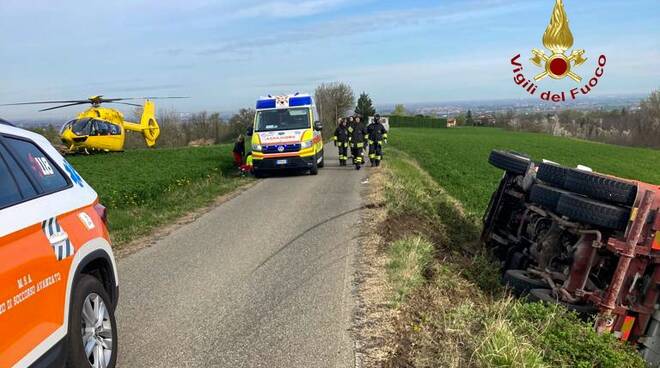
[468, 118]
[241, 121]
[365, 107]
[400, 110]
[333, 101]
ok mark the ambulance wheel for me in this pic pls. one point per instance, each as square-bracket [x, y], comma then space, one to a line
[315, 168]
[258, 174]
[92, 339]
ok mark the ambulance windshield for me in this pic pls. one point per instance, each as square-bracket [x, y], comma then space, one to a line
[283, 119]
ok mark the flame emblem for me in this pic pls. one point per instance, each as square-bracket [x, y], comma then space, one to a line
[558, 38]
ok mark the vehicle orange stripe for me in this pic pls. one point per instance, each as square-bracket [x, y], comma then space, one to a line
[628, 323]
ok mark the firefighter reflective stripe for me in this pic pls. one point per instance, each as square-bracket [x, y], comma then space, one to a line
[334, 138]
[359, 145]
[656, 241]
[371, 142]
[59, 240]
[372, 155]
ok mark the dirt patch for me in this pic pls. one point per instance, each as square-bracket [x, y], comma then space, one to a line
[163, 231]
[374, 323]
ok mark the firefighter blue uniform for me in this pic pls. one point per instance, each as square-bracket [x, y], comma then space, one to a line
[357, 138]
[341, 141]
[377, 135]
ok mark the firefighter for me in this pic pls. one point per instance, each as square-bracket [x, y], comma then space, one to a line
[377, 135]
[341, 141]
[357, 136]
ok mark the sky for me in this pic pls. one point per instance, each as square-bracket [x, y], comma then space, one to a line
[224, 54]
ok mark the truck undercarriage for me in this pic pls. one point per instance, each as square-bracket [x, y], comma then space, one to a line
[588, 241]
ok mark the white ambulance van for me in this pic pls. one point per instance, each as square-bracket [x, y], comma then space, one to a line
[286, 135]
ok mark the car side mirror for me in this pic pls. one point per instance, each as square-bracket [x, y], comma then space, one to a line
[249, 132]
[318, 126]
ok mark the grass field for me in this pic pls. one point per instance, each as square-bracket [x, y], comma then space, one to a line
[458, 158]
[143, 189]
[453, 311]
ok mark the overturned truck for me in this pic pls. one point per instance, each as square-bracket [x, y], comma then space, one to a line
[586, 240]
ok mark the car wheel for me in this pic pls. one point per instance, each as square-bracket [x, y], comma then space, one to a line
[601, 187]
[510, 162]
[92, 340]
[582, 209]
[545, 295]
[521, 282]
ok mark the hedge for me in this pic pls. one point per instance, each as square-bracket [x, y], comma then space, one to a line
[416, 122]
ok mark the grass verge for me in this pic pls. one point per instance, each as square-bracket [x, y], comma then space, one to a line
[145, 189]
[453, 312]
[457, 158]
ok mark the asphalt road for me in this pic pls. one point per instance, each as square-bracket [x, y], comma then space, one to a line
[264, 280]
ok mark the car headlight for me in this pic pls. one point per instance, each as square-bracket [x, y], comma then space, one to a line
[257, 147]
[306, 144]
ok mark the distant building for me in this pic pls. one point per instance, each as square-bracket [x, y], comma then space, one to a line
[451, 123]
[485, 120]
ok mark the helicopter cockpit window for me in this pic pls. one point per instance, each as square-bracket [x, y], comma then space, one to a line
[101, 128]
[81, 126]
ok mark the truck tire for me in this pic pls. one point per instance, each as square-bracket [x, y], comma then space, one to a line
[521, 282]
[509, 162]
[552, 174]
[545, 295]
[601, 187]
[585, 210]
[546, 196]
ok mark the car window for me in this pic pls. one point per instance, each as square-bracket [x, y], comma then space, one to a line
[9, 193]
[42, 169]
[24, 185]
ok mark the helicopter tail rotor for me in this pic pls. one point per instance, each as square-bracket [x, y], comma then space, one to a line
[149, 125]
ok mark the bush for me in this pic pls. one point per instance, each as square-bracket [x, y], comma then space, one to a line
[416, 122]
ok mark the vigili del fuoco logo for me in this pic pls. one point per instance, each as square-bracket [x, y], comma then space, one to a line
[558, 64]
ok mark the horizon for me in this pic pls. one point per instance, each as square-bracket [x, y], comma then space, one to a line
[226, 54]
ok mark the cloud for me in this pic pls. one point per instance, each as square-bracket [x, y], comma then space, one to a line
[378, 22]
[285, 9]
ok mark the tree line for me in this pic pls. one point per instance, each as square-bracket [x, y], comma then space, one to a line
[638, 126]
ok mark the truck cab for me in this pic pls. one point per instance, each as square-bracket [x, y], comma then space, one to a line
[286, 135]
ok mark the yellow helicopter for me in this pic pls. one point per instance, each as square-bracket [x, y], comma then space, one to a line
[104, 129]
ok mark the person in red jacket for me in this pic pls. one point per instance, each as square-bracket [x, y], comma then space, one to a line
[239, 151]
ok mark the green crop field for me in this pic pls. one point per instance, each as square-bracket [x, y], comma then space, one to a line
[143, 189]
[458, 158]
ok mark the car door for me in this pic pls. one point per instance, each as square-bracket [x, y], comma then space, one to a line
[32, 273]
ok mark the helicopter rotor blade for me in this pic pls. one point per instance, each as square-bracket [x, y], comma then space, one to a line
[45, 102]
[67, 105]
[125, 103]
[141, 98]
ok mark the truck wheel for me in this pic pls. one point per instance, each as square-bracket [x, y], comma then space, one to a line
[545, 295]
[521, 282]
[582, 209]
[510, 162]
[552, 174]
[546, 196]
[92, 339]
[601, 187]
